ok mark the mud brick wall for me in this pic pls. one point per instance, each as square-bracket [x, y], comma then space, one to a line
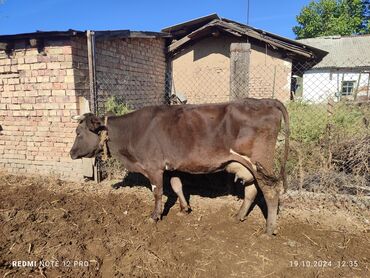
[38, 98]
[269, 74]
[133, 69]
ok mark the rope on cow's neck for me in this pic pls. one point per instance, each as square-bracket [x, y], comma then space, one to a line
[104, 139]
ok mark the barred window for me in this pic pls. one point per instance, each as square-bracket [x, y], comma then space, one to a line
[347, 87]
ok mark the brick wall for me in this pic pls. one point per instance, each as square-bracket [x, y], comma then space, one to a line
[133, 69]
[80, 67]
[40, 93]
[38, 98]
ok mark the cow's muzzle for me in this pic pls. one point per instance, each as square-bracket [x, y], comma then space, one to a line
[73, 155]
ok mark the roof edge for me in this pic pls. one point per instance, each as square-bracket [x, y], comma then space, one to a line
[238, 29]
[42, 34]
[197, 20]
[322, 53]
[104, 34]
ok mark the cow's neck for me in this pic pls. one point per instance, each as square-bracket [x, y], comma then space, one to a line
[119, 138]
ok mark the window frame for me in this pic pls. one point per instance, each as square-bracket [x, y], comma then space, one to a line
[347, 87]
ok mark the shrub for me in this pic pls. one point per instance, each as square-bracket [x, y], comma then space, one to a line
[112, 167]
[309, 122]
[313, 151]
[348, 120]
[117, 106]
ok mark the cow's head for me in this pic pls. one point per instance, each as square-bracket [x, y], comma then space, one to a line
[87, 142]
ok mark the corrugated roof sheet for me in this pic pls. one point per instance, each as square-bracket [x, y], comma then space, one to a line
[344, 52]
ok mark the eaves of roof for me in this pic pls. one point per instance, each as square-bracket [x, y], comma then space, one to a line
[239, 30]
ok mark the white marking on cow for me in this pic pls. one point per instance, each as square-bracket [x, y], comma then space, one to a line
[244, 157]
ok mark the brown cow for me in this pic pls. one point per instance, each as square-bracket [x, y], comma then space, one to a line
[238, 137]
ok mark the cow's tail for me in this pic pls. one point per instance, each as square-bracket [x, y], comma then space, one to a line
[283, 176]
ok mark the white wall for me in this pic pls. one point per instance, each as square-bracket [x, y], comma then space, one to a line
[319, 85]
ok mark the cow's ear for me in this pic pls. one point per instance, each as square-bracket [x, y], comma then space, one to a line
[93, 123]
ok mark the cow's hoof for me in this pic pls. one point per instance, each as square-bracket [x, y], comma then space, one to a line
[151, 220]
[184, 211]
[154, 217]
[239, 218]
[271, 232]
[265, 236]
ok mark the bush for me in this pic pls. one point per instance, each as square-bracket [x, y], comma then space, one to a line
[117, 106]
[309, 122]
[314, 152]
[348, 120]
[113, 168]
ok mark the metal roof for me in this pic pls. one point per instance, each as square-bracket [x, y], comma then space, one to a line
[344, 52]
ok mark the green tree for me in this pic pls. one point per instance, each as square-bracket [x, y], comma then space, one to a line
[333, 17]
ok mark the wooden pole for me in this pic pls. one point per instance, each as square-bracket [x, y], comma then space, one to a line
[330, 108]
[239, 70]
[357, 85]
[273, 83]
[93, 93]
[91, 62]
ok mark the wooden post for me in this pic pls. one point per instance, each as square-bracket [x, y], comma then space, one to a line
[93, 93]
[330, 111]
[273, 83]
[368, 86]
[91, 62]
[356, 90]
[239, 70]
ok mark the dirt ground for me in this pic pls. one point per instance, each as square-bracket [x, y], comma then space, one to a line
[52, 228]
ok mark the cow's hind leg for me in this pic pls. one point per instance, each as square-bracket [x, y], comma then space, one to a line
[250, 192]
[271, 196]
[156, 179]
[176, 185]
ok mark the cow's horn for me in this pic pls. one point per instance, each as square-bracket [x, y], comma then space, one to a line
[78, 117]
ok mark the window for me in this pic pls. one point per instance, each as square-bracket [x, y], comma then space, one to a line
[347, 87]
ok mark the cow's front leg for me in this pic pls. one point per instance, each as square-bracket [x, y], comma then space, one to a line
[156, 180]
[176, 185]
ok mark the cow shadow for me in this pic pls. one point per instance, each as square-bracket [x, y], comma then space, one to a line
[211, 185]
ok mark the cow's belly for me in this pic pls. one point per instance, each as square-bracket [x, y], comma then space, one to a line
[199, 162]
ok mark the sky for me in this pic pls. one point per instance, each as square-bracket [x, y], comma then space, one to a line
[24, 16]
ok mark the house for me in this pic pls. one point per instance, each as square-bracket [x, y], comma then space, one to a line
[342, 74]
[214, 59]
[47, 77]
